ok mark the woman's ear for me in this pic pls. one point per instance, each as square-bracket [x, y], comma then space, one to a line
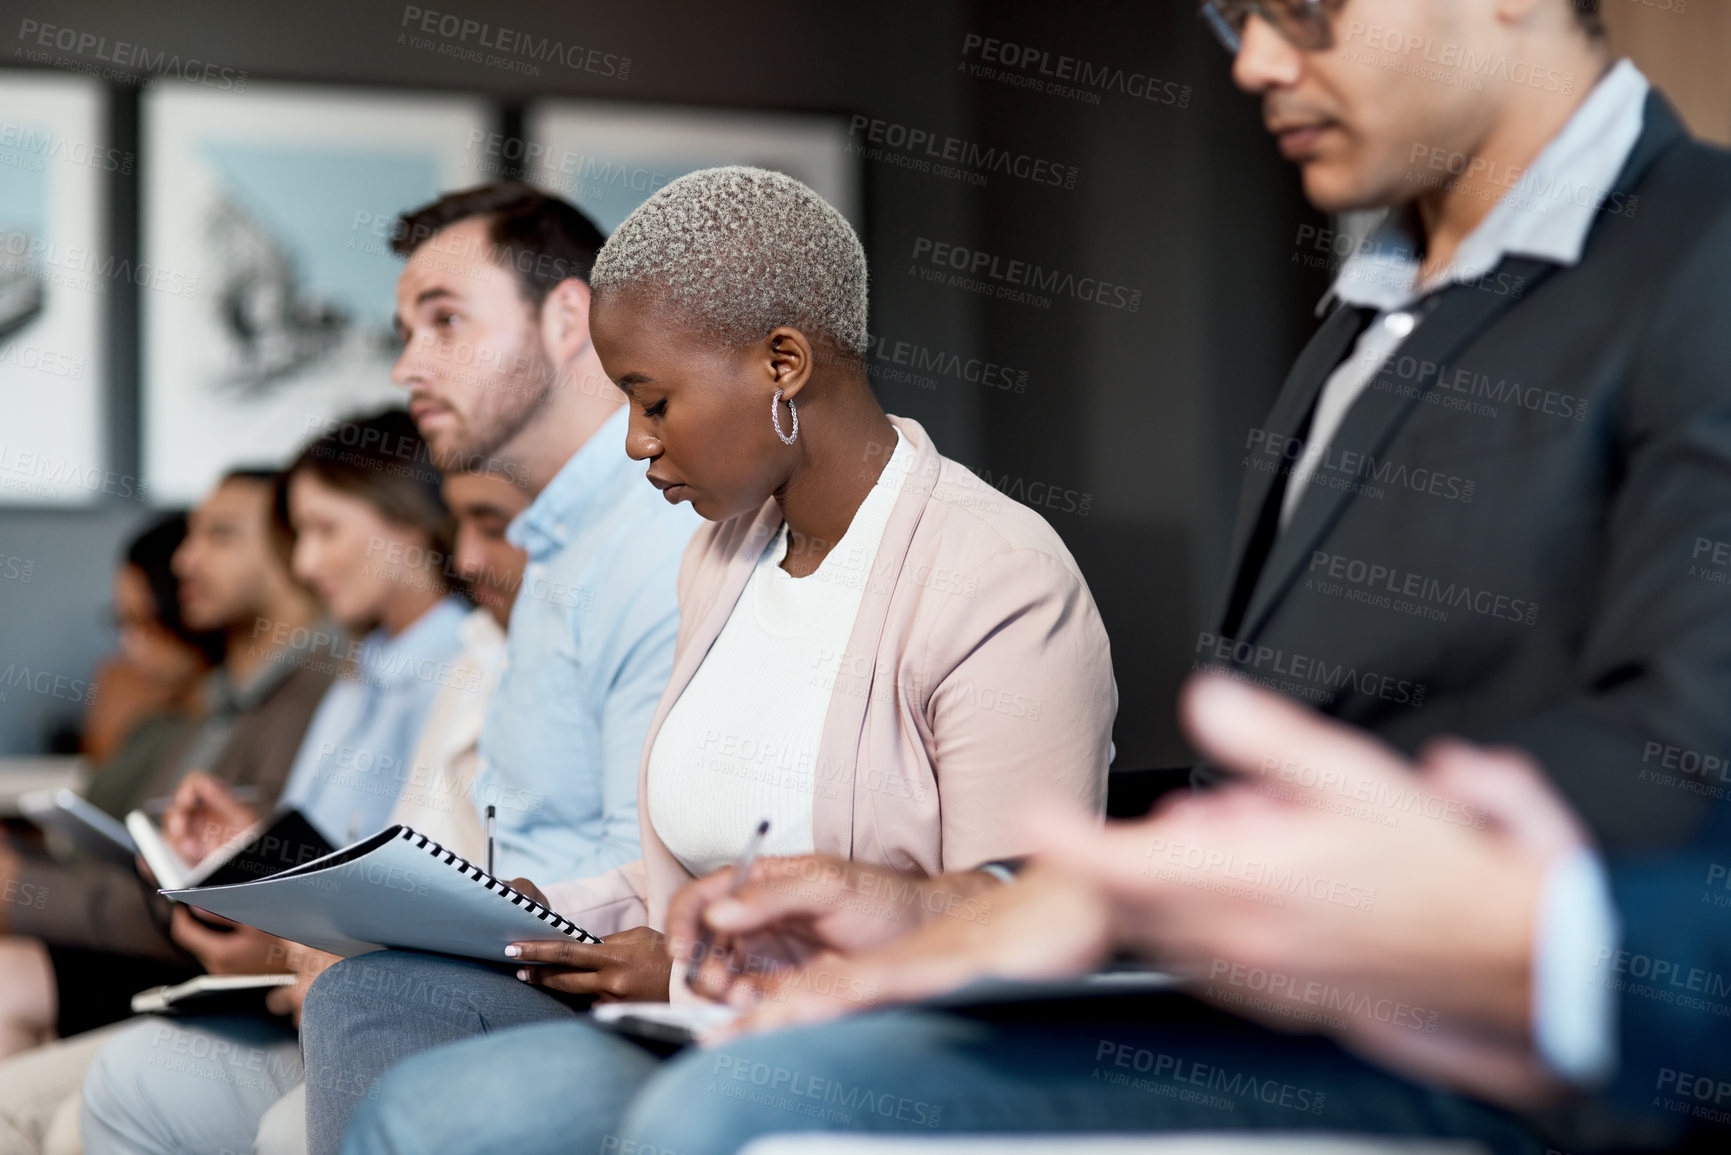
[789, 360]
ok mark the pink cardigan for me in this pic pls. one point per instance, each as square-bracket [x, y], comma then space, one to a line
[978, 674]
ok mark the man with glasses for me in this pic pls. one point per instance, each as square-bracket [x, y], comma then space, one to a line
[1539, 327]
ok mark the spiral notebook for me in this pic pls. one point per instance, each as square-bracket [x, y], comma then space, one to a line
[398, 888]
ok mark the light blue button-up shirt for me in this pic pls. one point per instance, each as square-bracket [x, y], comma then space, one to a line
[587, 655]
[359, 748]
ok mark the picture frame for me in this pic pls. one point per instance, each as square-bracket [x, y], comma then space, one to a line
[607, 157]
[267, 219]
[56, 279]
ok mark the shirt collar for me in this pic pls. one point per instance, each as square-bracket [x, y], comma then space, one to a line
[1547, 214]
[390, 661]
[553, 518]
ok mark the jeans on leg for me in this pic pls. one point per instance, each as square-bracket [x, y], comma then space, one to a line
[554, 1088]
[188, 1086]
[1124, 1064]
[366, 1014]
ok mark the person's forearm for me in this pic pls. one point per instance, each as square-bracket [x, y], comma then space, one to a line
[964, 894]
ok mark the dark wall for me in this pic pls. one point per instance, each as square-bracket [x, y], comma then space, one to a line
[1126, 428]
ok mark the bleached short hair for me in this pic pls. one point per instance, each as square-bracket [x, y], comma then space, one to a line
[739, 251]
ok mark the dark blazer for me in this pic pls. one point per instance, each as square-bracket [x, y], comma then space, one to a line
[1515, 532]
[1673, 983]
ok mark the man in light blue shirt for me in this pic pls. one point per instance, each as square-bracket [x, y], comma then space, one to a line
[493, 307]
[589, 651]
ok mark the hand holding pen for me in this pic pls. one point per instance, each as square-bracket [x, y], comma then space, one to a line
[705, 940]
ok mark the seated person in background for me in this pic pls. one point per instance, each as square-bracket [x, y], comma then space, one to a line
[146, 695]
[439, 799]
[198, 1107]
[360, 514]
[1479, 945]
[255, 707]
[852, 623]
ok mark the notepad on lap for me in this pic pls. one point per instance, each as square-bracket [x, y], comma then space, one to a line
[272, 845]
[398, 888]
[210, 995]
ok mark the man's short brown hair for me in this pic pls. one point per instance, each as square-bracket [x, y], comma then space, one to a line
[540, 238]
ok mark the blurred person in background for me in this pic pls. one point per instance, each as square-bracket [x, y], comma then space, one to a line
[146, 693]
[101, 933]
[186, 1109]
[367, 530]
[254, 707]
[502, 377]
[361, 514]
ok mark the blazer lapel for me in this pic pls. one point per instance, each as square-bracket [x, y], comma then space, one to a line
[1460, 315]
[1371, 423]
[833, 817]
[1326, 349]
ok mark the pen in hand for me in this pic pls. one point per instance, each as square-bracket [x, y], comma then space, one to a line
[492, 814]
[741, 872]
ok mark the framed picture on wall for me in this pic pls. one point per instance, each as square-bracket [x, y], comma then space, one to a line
[267, 218]
[55, 281]
[608, 158]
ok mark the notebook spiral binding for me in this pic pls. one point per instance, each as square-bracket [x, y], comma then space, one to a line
[558, 922]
